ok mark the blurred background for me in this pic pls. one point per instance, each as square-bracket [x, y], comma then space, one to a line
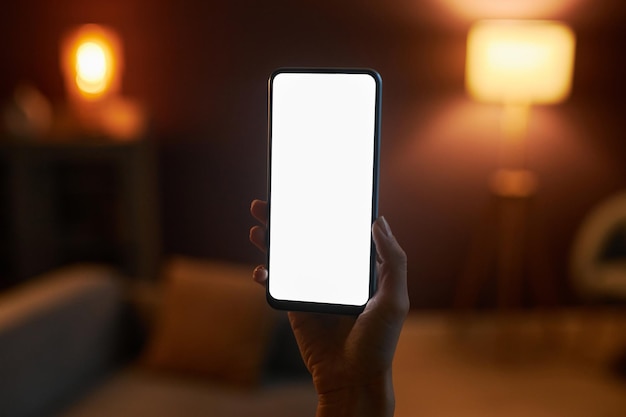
[199, 69]
[171, 167]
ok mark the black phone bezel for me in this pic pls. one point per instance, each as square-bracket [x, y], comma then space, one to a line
[293, 305]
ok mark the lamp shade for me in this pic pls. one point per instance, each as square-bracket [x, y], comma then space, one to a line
[91, 62]
[520, 61]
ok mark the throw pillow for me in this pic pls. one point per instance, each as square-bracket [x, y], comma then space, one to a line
[214, 322]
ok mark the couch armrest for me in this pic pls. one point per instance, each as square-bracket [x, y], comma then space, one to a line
[58, 333]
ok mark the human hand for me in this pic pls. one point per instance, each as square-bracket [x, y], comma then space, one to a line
[349, 357]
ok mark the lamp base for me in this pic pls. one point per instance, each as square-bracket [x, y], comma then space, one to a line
[499, 250]
[513, 183]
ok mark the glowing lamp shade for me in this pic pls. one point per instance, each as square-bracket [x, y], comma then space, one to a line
[91, 62]
[520, 61]
[93, 73]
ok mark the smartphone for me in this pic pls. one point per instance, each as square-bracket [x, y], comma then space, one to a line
[324, 139]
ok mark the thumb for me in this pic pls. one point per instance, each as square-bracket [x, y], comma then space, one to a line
[387, 247]
[392, 272]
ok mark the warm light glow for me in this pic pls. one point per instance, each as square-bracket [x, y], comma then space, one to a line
[91, 60]
[92, 68]
[518, 61]
[470, 10]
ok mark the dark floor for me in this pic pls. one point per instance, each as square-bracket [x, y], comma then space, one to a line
[553, 364]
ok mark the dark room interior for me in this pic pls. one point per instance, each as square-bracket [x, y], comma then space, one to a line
[176, 192]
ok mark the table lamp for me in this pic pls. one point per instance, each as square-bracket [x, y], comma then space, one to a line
[91, 62]
[518, 63]
[92, 65]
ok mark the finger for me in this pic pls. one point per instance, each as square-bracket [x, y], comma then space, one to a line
[258, 237]
[388, 249]
[258, 208]
[392, 275]
[259, 275]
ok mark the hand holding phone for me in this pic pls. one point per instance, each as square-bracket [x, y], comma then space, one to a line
[350, 358]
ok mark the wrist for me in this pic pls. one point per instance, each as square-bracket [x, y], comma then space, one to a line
[372, 399]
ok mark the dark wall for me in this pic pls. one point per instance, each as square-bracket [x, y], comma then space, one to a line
[201, 68]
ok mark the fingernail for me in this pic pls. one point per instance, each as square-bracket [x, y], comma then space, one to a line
[260, 272]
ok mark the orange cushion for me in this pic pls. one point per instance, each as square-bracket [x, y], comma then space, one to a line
[214, 322]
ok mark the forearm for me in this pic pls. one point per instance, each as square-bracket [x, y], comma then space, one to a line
[375, 399]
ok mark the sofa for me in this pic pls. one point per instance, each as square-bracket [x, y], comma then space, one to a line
[85, 341]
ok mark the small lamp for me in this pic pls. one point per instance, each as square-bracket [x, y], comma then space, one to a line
[518, 63]
[91, 62]
[92, 65]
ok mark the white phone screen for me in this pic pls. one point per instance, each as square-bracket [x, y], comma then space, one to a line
[323, 134]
